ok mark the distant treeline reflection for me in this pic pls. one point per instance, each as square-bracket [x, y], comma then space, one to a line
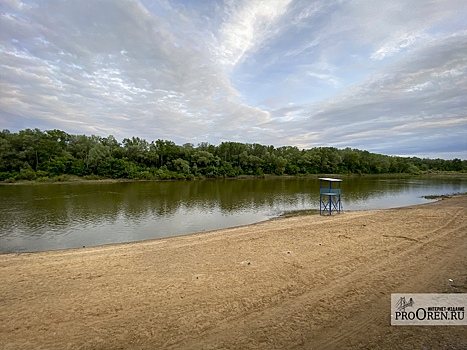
[54, 155]
[59, 206]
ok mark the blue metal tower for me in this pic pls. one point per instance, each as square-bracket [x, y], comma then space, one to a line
[329, 196]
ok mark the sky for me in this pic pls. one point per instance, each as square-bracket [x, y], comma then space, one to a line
[389, 77]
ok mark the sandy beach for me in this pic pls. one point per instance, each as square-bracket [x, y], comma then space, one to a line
[306, 282]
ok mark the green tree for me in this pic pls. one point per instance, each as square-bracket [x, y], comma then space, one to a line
[182, 165]
[97, 154]
[31, 153]
[136, 150]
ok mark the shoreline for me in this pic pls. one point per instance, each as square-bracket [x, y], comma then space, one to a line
[287, 283]
[80, 180]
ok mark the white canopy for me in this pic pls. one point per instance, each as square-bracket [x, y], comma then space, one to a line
[330, 179]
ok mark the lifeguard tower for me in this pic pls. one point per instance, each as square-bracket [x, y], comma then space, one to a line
[329, 196]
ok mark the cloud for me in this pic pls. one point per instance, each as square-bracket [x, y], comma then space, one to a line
[384, 76]
[398, 43]
[98, 66]
[420, 98]
[248, 25]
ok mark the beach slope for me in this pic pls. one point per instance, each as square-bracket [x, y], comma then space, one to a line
[306, 282]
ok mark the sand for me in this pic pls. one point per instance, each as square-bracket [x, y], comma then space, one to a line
[305, 282]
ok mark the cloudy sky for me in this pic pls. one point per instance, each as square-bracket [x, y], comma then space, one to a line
[385, 76]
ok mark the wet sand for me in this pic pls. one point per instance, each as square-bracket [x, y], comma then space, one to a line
[306, 282]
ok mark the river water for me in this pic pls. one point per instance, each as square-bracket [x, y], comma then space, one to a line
[72, 215]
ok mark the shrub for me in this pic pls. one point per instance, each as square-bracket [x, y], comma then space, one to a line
[42, 173]
[4, 176]
[92, 177]
[43, 179]
[144, 175]
[61, 178]
[27, 174]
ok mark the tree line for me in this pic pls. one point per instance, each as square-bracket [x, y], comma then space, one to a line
[32, 154]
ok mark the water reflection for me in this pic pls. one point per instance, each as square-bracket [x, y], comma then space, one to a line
[42, 217]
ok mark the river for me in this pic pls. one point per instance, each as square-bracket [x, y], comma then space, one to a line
[39, 217]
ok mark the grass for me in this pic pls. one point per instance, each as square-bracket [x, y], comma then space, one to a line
[303, 212]
[436, 196]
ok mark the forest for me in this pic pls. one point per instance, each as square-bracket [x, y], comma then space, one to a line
[54, 155]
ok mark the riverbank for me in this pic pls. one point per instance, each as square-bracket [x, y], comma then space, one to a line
[307, 282]
[67, 179]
